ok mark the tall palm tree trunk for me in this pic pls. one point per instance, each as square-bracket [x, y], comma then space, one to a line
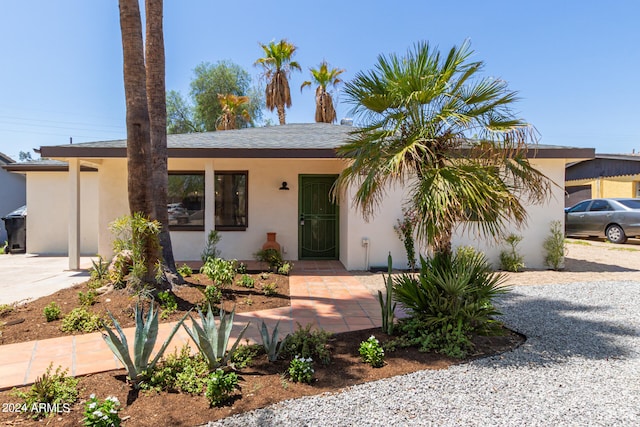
[156, 94]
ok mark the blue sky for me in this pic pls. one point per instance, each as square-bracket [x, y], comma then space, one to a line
[574, 63]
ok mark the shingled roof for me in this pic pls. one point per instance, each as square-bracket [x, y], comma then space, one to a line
[311, 140]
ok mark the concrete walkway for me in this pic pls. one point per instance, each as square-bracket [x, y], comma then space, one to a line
[323, 293]
[26, 276]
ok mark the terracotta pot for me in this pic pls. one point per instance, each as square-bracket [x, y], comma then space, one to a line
[271, 242]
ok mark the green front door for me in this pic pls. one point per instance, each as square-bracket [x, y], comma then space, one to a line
[317, 218]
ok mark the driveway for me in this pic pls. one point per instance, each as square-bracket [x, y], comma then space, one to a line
[26, 276]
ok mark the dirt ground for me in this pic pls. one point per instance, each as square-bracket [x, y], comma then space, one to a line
[586, 260]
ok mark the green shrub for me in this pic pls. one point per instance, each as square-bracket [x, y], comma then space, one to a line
[52, 312]
[305, 343]
[269, 289]
[220, 386]
[243, 355]
[241, 268]
[168, 303]
[134, 235]
[185, 270]
[3, 248]
[285, 268]
[212, 296]
[87, 299]
[80, 320]
[554, 247]
[452, 299]
[246, 281]
[301, 370]
[220, 271]
[55, 389]
[180, 373]
[264, 275]
[270, 256]
[101, 414]
[371, 352]
[511, 260]
[210, 250]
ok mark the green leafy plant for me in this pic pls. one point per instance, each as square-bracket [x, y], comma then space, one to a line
[371, 352]
[272, 346]
[510, 259]
[210, 250]
[220, 386]
[447, 338]
[138, 364]
[88, 298]
[212, 297]
[301, 370]
[243, 355]
[138, 238]
[3, 248]
[180, 373]
[80, 320]
[168, 303]
[285, 268]
[404, 230]
[246, 281]
[6, 309]
[220, 271]
[57, 390]
[387, 306]
[99, 269]
[452, 297]
[269, 289]
[101, 413]
[241, 268]
[185, 270]
[270, 256]
[264, 275]
[306, 343]
[554, 246]
[213, 339]
[52, 311]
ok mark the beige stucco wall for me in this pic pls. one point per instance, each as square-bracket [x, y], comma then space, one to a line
[48, 213]
[615, 188]
[537, 228]
[273, 210]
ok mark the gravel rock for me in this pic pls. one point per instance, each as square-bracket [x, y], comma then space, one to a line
[579, 366]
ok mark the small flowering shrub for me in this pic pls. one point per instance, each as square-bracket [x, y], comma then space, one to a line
[371, 352]
[220, 386]
[301, 370]
[101, 414]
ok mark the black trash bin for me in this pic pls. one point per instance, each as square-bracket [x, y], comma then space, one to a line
[16, 225]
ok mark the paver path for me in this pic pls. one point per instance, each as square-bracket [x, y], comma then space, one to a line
[322, 293]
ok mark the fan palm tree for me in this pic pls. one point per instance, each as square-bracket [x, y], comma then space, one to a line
[449, 136]
[277, 65]
[232, 107]
[324, 78]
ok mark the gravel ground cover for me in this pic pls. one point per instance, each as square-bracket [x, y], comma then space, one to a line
[579, 366]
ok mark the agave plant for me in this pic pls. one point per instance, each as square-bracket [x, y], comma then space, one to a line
[212, 339]
[271, 344]
[137, 364]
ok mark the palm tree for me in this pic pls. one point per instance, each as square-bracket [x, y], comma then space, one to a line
[448, 136]
[324, 77]
[277, 65]
[232, 107]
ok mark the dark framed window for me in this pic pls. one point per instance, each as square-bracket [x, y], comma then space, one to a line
[185, 201]
[231, 200]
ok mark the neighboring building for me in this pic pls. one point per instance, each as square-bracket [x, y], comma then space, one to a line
[48, 206]
[234, 181]
[12, 193]
[606, 175]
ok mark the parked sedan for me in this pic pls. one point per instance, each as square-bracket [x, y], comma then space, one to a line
[615, 219]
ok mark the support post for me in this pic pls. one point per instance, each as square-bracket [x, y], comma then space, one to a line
[74, 214]
[209, 199]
